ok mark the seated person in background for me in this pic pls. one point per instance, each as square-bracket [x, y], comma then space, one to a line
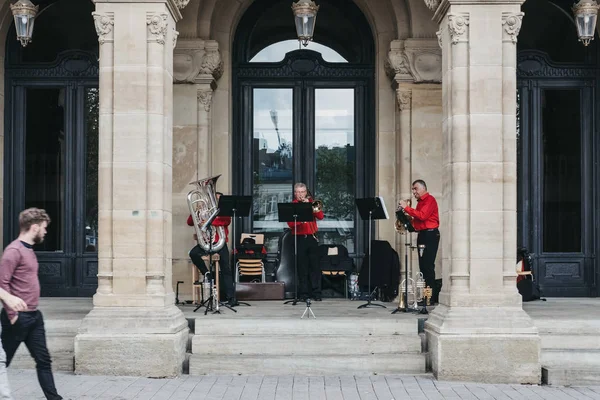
[226, 279]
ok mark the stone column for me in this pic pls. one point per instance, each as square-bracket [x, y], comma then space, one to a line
[480, 332]
[134, 316]
[402, 80]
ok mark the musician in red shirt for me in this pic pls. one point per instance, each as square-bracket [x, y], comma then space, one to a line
[309, 270]
[226, 278]
[426, 220]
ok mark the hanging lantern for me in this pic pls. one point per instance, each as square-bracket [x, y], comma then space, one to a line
[586, 14]
[24, 13]
[305, 15]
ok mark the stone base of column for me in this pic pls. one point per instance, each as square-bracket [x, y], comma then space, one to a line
[149, 342]
[488, 345]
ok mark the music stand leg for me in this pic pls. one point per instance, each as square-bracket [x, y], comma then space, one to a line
[368, 303]
[295, 300]
[235, 302]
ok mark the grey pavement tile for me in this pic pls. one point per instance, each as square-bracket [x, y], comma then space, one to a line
[251, 388]
[284, 388]
[333, 388]
[268, 389]
[349, 388]
[574, 393]
[396, 387]
[365, 388]
[316, 388]
[201, 390]
[300, 388]
[588, 392]
[235, 388]
[381, 388]
[217, 391]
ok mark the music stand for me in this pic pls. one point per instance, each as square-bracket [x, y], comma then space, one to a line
[371, 208]
[295, 212]
[400, 216]
[235, 206]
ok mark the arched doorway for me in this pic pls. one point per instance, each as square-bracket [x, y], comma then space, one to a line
[558, 185]
[51, 143]
[304, 115]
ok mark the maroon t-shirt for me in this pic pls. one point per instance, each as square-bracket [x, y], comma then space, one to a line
[19, 275]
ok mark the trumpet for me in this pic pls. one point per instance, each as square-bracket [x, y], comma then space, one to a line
[317, 205]
[398, 225]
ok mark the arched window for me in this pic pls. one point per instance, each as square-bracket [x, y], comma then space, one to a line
[304, 115]
[276, 52]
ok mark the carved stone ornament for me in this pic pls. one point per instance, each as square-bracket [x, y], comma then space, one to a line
[432, 4]
[211, 62]
[175, 34]
[457, 25]
[157, 27]
[104, 26]
[181, 3]
[396, 65]
[424, 59]
[196, 61]
[439, 36]
[404, 98]
[512, 25]
[205, 98]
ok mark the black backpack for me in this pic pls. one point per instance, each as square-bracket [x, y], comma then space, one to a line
[528, 287]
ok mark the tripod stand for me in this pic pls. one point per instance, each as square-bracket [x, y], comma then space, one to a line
[371, 208]
[308, 309]
[230, 206]
[208, 303]
[295, 212]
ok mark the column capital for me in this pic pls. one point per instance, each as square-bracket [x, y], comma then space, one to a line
[441, 7]
[404, 97]
[104, 23]
[205, 98]
[512, 25]
[197, 61]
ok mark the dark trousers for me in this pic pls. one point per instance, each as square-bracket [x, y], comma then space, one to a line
[29, 328]
[431, 240]
[309, 270]
[226, 278]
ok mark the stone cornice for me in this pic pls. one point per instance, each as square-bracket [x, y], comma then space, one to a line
[441, 7]
[197, 61]
[173, 5]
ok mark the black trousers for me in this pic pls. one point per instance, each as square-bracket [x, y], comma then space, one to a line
[309, 270]
[29, 328]
[226, 278]
[431, 240]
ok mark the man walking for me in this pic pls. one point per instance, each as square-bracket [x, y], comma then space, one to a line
[19, 277]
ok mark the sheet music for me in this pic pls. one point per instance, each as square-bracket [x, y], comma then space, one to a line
[384, 207]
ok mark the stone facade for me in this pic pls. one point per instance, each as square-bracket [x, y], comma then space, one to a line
[445, 113]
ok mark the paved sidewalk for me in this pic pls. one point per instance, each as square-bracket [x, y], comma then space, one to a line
[75, 387]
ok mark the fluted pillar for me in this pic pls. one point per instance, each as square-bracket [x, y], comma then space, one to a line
[480, 332]
[134, 316]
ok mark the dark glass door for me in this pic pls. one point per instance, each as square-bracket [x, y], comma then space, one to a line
[52, 163]
[557, 189]
[305, 133]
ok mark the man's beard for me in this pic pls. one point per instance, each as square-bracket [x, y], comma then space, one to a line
[38, 239]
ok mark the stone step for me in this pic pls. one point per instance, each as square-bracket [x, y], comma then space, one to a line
[567, 375]
[60, 338]
[582, 358]
[575, 342]
[408, 363]
[296, 345]
[297, 326]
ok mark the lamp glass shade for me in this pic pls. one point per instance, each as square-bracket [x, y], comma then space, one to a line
[24, 13]
[586, 15]
[305, 16]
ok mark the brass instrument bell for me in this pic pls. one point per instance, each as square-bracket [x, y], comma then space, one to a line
[398, 225]
[317, 205]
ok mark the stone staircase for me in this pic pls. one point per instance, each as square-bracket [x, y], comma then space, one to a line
[570, 351]
[285, 346]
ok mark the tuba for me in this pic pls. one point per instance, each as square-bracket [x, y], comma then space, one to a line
[398, 224]
[202, 202]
